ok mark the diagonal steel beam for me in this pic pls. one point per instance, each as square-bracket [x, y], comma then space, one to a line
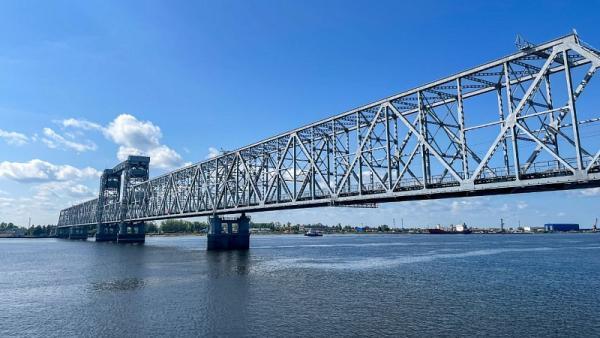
[359, 150]
[555, 155]
[423, 141]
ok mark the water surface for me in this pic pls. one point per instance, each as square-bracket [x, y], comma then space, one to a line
[337, 285]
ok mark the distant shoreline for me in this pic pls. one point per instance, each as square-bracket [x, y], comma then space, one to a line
[27, 237]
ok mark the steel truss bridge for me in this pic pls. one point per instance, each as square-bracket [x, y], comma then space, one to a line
[517, 124]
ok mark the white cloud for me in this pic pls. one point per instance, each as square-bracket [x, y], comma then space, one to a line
[522, 205]
[63, 190]
[128, 131]
[53, 187]
[58, 186]
[12, 137]
[41, 171]
[213, 152]
[82, 124]
[165, 157]
[134, 137]
[469, 204]
[54, 140]
[6, 202]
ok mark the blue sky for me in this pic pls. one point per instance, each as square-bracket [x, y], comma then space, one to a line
[176, 78]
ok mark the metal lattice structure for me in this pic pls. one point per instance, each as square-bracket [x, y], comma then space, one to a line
[516, 124]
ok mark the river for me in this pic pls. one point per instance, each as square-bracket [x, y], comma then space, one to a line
[287, 285]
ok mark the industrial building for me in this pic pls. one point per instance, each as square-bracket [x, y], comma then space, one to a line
[561, 227]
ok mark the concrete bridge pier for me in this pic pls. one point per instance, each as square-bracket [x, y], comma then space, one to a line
[63, 232]
[107, 232]
[131, 232]
[78, 232]
[228, 233]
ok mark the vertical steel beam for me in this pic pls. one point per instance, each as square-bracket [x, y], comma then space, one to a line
[347, 165]
[335, 156]
[424, 139]
[329, 150]
[358, 154]
[314, 165]
[463, 136]
[513, 129]
[504, 144]
[549, 133]
[388, 149]
[574, 120]
[294, 165]
[267, 171]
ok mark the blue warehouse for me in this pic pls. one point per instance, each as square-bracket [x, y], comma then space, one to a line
[561, 227]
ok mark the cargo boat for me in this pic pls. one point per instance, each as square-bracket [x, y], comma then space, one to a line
[457, 229]
[313, 233]
[444, 232]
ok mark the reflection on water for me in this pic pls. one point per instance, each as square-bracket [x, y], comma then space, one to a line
[227, 263]
[341, 285]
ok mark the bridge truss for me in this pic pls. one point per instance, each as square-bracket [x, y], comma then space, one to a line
[517, 124]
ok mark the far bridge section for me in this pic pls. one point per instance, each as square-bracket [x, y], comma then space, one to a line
[115, 184]
[517, 124]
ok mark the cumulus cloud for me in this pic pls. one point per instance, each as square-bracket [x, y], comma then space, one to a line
[54, 187]
[55, 140]
[41, 171]
[134, 137]
[71, 190]
[12, 137]
[128, 131]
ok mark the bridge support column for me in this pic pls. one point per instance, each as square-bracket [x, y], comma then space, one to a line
[235, 236]
[79, 232]
[131, 232]
[63, 232]
[107, 232]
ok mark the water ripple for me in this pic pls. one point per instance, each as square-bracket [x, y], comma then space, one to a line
[125, 284]
[383, 262]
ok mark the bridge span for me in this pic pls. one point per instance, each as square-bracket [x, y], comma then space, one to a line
[518, 124]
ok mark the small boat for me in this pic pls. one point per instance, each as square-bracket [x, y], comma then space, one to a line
[313, 233]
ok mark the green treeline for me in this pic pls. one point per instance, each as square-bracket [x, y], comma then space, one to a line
[174, 226]
[33, 231]
[189, 227]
